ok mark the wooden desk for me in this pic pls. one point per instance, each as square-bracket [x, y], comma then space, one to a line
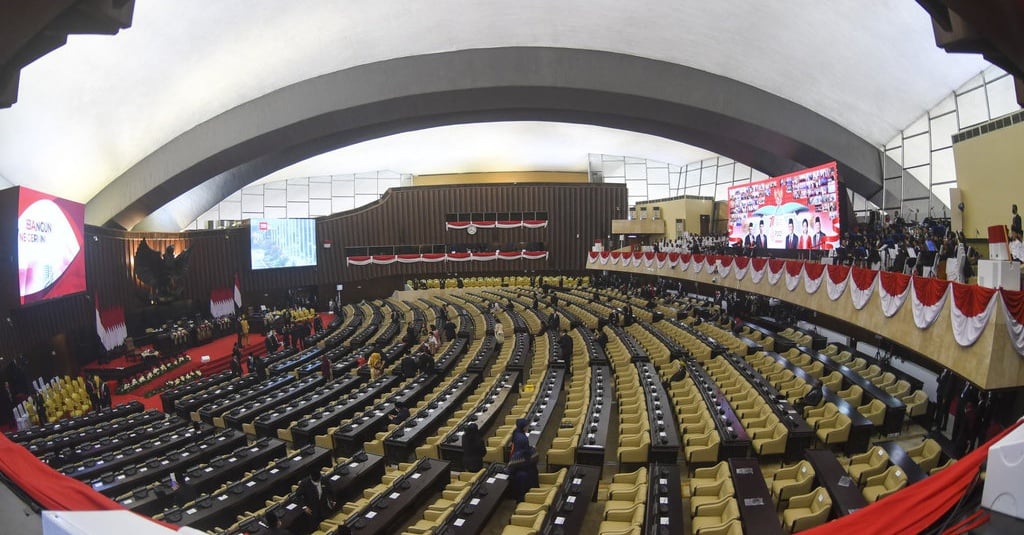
[590, 450]
[755, 501]
[735, 442]
[471, 515]
[405, 494]
[317, 422]
[664, 500]
[661, 416]
[895, 409]
[350, 438]
[401, 444]
[846, 495]
[484, 415]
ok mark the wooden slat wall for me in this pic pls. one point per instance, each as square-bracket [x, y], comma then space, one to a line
[405, 216]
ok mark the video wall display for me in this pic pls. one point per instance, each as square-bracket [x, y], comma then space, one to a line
[281, 243]
[51, 246]
[795, 211]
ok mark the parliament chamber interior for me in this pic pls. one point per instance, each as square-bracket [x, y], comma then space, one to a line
[511, 269]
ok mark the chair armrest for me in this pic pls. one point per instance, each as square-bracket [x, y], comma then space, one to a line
[711, 506]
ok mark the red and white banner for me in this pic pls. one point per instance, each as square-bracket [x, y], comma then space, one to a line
[836, 280]
[238, 292]
[971, 310]
[793, 270]
[484, 256]
[863, 286]
[110, 325]
[523, 223]
[971, 307]
[222, 302]
[927, 298]
[814, 274]
[893, 289]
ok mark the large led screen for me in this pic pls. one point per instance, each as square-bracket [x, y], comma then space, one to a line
[280, 243]
[795, 211]
[51, 246]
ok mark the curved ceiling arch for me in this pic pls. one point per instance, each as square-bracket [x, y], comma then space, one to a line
[235, 148]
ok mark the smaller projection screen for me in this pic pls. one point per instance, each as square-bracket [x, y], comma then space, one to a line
[51, 246]
[281, 243]
[795, 211]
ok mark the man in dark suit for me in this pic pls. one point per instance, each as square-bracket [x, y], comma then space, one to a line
[261, 369]
[818, 238]
[273, 523]
[761, 240]
[792, 241]
[1015, 225]
[749, 239]
[316, 503]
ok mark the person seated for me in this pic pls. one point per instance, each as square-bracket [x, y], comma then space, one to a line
[399, 414]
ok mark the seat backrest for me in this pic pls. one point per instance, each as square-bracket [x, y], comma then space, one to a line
[821, 500]
[804, 471]
[879, 456]
[895, 477]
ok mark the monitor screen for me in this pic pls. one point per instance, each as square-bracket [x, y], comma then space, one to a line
[51, 246]
[279, 243]
[795, 211]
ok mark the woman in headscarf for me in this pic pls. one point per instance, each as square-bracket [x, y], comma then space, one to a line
[473, 448]
[376, 365]
[522, 465]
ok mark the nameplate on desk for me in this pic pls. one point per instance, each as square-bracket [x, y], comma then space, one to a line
[291, 506]
[474, 501]
[416, 475]
[559, 520]
[222, 497]
[845, 481]
[394, 495]
[191, 511]
[371, 514]
[501, 476]
[250, 484]
[577, 481]
[663, 499]
[750, 502]
[664, 520]
[663, 481]
[744, 471]
[274, 470]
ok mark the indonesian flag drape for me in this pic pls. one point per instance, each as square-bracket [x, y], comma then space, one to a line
[483, 256]
[517, 223]
[836, 281]
[1013, 308]
[238, 292]
[863, 286]
[927, 298]
[971, 310]
[110, 325]
[971, 307]
[893, 289]
[813, 277]
[222, 302]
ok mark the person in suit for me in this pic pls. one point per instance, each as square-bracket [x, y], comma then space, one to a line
[261, 369]
[761, 241]
[1015, 225]
[326, 368]
[792, 241]
[251, 363]
[565, 345]
[749, 240]
[316, 503]
[104, 393]
[236, 365]
[273, 523]
[399, 414]
[818, 238]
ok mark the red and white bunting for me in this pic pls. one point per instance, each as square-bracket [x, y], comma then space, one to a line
[793, 270]
[776, 268]
[1013, 308]
[814, 274]
[893, 289]
[484, 256]
[836, 280]
[525, 223]
[971, 310]
[864, 282]
[758, 267]
[927, 297]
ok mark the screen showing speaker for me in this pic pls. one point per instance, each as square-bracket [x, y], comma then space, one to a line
[51, 246]
[281, 243]
[795, 211]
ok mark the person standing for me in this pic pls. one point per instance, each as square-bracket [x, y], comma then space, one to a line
[522, 464]
[315, 501]
[244, 324]
[236, 365]
[565, 346]
[325, 367]
[1015, 225]
[261, 369]
[473, 448]
[251, 363]
[104, 394]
